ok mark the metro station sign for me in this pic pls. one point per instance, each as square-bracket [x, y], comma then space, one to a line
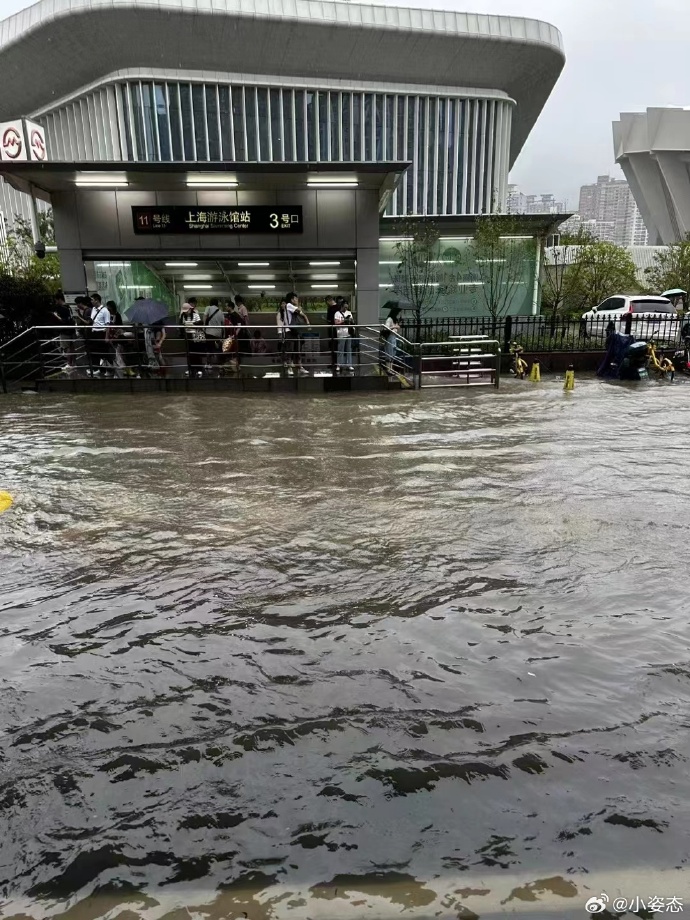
[282, 219]
[22, 140]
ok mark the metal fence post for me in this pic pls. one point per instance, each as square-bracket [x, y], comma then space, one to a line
[3, 380]
[39, 345]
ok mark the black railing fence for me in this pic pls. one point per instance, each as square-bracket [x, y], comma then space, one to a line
[544, 334]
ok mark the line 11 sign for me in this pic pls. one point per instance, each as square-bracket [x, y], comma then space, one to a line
[214, 219]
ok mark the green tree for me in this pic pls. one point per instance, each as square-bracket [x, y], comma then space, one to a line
[420, 277]
[23, 303]
[671, 269]
[18, 258]
[561, 272]
[605, 269]
[500, 255]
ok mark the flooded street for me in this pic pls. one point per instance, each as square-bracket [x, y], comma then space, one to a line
[422, 655]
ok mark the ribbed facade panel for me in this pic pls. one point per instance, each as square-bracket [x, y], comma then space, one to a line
[458, 147]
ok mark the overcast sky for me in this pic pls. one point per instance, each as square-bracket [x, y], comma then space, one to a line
[622, 56]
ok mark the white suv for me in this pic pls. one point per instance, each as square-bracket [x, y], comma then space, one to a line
[645, 316]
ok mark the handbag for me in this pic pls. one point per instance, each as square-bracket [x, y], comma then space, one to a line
[229, 345]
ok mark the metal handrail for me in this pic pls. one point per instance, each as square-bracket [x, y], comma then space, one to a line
[40, 352]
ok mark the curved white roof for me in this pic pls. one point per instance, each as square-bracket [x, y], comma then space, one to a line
[55, 47]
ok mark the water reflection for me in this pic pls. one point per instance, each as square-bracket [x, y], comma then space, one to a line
[320, 658]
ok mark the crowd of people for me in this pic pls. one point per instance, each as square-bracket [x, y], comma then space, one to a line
[95, 335]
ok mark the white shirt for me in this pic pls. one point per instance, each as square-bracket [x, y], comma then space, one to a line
[100, 317]
[342, 320]
[214, 319]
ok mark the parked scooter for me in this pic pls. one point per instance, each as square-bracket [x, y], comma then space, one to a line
[625, 359]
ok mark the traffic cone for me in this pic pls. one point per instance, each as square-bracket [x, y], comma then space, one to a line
[535, 373]
[570, 378]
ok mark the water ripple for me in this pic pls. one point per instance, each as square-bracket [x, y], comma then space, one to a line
[425, 653]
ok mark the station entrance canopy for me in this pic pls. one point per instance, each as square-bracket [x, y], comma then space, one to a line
[224, 217]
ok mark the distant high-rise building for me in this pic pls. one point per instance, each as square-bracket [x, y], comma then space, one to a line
[519, 203]
[610, 205]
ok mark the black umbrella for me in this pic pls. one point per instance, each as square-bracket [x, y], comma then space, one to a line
[147, 312]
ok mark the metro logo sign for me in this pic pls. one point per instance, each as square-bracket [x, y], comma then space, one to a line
[12, 142]
[37, 143]
[22, 140]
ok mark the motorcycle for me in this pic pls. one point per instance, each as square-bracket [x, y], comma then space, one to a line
[625, 358]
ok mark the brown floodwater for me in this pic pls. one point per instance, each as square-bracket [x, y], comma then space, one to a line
[419, 654]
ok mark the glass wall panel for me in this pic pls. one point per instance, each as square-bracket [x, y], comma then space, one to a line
[175, 121]
[252, 128]
[300, 126]
[311, 125]
[227, 152]
[452, 154]
[187, 121]
[212, 122]
[238, 123]
[324, 153]
[421, 152]
[289, 124]
[336, 149]
[199, 106]
[400, 152]
[276, 131]
[357, 126]
[264, 150]
[368, 125]
[348, 155]
[163, 118]
[411, 151]
[389, 148]
[148, 110]
[431, 157]
[138, 119]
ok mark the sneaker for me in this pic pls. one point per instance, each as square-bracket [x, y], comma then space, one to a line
[351, 370]
[289, 371]
[303, 371]
[200, 373]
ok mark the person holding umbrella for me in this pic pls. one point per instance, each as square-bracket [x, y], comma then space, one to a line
[677, 297]
[152, 315]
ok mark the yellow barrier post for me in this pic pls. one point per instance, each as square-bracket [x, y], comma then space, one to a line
[5, 501]
[569, 378]
[535, 373]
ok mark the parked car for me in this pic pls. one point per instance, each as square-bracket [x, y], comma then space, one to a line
[646, 316]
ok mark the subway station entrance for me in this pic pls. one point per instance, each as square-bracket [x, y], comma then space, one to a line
[208, 233]
[172, 231]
